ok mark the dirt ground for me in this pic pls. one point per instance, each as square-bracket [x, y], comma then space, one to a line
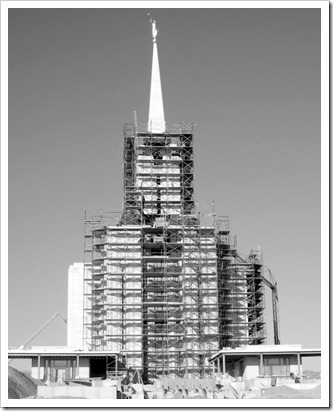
[20, 385]
[287, 392]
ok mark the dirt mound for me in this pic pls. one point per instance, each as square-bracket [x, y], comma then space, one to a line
[20, 385]
[283, 391]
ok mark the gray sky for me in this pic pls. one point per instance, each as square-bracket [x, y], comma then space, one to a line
[248, 78]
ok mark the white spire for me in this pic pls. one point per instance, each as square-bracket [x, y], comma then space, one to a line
[156, 121]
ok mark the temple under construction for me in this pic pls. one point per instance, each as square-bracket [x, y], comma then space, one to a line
[163, 284]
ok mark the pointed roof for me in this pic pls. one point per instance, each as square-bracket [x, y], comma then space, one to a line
[156, 121]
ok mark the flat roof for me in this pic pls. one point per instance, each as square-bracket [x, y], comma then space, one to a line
[276, 350]
[54, 353]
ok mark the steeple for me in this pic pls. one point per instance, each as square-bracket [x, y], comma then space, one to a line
[156, 121]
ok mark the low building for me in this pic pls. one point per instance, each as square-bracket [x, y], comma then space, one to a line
[57, 364]
[258, 361]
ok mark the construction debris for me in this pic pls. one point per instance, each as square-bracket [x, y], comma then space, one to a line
[21, 385]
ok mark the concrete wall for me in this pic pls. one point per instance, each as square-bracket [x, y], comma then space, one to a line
[75, 305]
[294, 366]
[84, 367]
[34, 368]
[251, 367]
[81, 391]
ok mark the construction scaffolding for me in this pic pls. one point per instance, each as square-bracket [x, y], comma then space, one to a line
[161, 287]
[241, 293]
[113, 294]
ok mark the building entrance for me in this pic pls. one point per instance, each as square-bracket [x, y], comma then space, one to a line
[98, 367]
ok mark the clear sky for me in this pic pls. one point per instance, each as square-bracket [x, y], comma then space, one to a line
[248, 78]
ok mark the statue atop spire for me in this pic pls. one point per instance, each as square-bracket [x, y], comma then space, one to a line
[156, 121]
[154, 29]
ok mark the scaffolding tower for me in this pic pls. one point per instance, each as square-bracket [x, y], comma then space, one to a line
[241, 293]
[161, 287]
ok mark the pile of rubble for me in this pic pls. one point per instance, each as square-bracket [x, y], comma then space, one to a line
[227, 387]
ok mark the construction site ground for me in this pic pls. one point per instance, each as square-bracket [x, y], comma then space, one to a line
[22, 386]
[284, 391]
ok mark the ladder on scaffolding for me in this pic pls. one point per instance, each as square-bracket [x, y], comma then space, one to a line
[112, 371]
